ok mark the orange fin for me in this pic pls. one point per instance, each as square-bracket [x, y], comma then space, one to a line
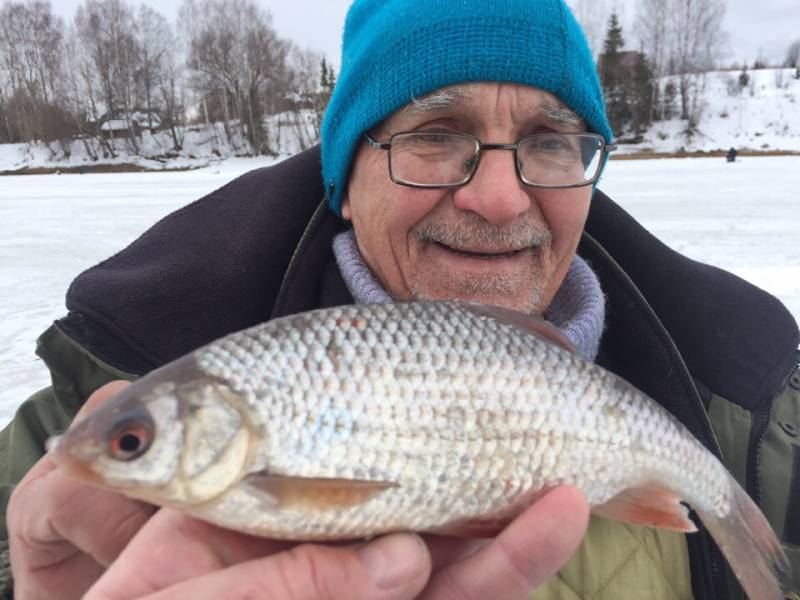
[317, 493]
[473, 528]
[651, 506]
[532, 324]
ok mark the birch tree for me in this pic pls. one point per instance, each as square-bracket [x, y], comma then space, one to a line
[105, 28]
[697, 40]
[593, 16]
[235, 54]
[31, 41]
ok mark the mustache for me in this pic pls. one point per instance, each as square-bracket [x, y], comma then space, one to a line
[472, 230]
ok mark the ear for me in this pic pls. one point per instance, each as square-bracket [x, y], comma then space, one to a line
[346, 214]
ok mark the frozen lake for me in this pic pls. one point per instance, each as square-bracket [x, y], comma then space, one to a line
[743, 217]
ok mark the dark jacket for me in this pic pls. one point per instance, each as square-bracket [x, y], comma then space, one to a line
[705, 344]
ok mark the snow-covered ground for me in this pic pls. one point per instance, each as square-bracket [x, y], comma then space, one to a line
[763, 116]
[742, 217]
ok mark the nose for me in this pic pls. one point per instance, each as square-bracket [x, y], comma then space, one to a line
[495, 192]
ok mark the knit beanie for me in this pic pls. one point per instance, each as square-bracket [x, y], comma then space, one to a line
[397, 50]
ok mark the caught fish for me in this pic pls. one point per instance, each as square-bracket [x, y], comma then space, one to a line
[432, 416]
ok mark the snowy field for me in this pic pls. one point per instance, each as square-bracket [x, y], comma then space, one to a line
[743, 217]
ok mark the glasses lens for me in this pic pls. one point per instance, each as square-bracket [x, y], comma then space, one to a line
[430, 158]
[559, 160]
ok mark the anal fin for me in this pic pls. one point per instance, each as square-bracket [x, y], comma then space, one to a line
[648, 505]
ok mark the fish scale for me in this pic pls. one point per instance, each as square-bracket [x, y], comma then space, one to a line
[428, 416]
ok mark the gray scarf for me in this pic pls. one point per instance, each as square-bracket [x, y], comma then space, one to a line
[578, 308]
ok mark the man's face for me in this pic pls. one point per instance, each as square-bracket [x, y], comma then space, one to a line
[493, 240]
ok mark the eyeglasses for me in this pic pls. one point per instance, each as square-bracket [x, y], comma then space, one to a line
[433, 159]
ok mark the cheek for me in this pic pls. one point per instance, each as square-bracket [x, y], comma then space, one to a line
[565, 213]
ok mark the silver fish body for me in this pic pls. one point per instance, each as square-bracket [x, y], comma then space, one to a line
[430, 416]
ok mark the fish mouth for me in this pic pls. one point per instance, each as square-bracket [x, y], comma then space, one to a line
[481, 254]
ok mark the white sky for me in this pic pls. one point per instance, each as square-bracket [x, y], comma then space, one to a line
[764, 28]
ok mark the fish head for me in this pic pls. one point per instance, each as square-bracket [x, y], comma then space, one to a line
[175, 437]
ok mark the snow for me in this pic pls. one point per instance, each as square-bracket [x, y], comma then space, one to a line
[763, 116]
[201, 146]
[741, 216]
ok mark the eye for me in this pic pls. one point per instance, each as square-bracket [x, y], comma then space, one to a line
[130, 439]
[434, 138]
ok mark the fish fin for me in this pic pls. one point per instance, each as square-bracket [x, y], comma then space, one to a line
[316, 493]
[531, 324]
[473, 528]
[648, 505]
[751, 547]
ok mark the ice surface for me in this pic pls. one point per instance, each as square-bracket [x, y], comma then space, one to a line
[743, 217]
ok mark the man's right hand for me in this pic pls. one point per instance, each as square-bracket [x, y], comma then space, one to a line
[64, 534]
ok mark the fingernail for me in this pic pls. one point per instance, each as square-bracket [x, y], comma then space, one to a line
[394, 559]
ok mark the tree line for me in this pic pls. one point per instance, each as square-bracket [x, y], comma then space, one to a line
[678, 41]
[118, 69]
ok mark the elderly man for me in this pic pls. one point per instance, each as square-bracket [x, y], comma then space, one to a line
[460, 154]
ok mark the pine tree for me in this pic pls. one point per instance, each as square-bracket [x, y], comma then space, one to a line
[613, 76]
[641, 93]
[327, 80]
[612, 45]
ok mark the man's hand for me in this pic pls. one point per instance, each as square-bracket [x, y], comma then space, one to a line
[175, 556]
[64, 534]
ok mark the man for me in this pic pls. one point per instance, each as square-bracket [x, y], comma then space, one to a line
[460, 148]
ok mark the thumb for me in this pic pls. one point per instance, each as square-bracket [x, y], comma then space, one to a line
[393, 567]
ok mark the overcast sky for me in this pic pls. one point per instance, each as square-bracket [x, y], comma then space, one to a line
[764, 28]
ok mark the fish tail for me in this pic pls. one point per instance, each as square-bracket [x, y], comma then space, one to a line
[751, 548]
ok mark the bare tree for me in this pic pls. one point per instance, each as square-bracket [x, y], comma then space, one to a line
[305, 67]
[593, 16]
[793, 55]
[234, 54]
[154, 41]
[698, 40]
[651, 26]
[169, 83]
[31, 40]
[82, 97]
[105, 28]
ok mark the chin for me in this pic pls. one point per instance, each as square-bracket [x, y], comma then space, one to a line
[528, 301]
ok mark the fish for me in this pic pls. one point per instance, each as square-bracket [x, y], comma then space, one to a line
[443, 417]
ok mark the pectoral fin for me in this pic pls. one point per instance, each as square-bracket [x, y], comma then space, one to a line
[651, 506]
[316, 493]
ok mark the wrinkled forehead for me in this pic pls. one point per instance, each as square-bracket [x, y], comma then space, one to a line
[528, 101]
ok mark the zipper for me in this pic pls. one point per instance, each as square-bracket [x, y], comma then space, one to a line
[711, 582]
[313, 224]
[759, 434]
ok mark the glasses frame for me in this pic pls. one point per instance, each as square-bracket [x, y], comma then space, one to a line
[480, 147]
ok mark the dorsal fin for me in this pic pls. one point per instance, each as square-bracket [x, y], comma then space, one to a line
[532, 324]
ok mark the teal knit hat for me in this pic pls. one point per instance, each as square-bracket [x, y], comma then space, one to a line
[398, 50]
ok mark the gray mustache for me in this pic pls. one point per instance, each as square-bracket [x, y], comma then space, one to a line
[473, 230]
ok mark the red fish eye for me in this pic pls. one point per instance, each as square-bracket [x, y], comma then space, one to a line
[130, 440]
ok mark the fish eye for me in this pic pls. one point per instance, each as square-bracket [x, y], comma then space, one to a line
[130, 438]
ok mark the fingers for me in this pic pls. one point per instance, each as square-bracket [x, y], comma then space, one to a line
[525, 555]
[173, 548]
[393, 567]
[179, 557]
[48, 509]
[63, 533]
